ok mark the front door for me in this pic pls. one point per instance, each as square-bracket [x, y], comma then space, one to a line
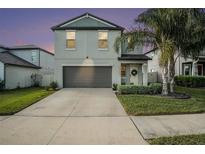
[134, 74]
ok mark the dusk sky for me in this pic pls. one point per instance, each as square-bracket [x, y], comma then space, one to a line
[32, 26]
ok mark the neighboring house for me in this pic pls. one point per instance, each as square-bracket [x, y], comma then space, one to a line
[85, 55]
[183, 66]
[18, 63]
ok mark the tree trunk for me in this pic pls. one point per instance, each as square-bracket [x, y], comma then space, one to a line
[171, 74]
[165, 90]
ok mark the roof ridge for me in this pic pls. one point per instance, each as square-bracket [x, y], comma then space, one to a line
[89, 14]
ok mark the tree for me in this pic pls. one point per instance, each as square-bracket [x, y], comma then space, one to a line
[152, 30]
[188, 30]
[169, 30]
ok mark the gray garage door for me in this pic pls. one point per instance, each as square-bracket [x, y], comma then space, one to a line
[87, 76]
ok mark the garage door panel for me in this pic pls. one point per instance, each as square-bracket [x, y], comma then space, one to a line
[87, 76]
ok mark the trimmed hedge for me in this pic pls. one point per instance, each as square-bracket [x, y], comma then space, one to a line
[190, 81]
[154, 88]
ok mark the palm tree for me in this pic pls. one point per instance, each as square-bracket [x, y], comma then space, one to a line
[152, 30]
[188, 31]
[165, 29]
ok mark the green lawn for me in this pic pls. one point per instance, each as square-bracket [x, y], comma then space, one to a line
[180, 140]
[155, 105]
[12, 101]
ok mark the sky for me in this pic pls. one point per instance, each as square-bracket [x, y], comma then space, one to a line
[32, 26]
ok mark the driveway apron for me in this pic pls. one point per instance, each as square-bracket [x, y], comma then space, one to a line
[72, 116]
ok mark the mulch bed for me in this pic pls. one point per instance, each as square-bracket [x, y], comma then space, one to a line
[177, 96]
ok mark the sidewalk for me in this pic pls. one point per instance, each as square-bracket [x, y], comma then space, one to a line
[170, 125]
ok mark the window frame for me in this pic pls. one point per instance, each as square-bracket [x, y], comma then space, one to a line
[103, 49]
[67, 31]
[190, 68]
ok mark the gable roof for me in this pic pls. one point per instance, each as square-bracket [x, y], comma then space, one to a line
[8, 58]
[29, 47]
[110, 25]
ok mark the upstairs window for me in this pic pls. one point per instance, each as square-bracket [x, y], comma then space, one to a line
[103, 40]
[70, 40]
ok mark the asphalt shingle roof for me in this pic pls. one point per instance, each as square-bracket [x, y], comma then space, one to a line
[31, 46]
[134, 57]
[8, 58]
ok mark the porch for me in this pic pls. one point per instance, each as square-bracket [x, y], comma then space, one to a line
[134, 69]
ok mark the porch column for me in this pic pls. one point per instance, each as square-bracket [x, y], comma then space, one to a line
[144, 74]
[194, 68]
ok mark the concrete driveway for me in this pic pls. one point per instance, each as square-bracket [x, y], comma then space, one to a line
[72, 116]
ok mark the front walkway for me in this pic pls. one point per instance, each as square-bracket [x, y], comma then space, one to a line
[170, 125]
[72, 116]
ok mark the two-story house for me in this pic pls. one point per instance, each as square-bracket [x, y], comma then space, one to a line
[183, 66]
[18, 63]
[85, 55]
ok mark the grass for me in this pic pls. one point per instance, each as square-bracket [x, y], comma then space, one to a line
[12, 101]
[179, 140]
[156, 105]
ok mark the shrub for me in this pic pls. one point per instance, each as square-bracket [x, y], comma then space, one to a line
[156, 88]
[190, 81]
[133, 89]
[114, 86]
[2, 84]
[54, 85]
[36, 79]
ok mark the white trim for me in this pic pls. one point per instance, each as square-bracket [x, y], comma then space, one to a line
[72, 30]
[103, 30]
[86, 65]
[70, 49]
[103, 49]
[87, 16]
[132, 62]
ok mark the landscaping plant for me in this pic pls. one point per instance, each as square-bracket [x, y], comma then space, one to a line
[2, 84]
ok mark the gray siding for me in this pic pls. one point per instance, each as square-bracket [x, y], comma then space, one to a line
[47, 71]
[1, 71]
[86, 53]
[27, 55]
[43, 59]
[18, 76]
[86, 22]
[2, 49]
